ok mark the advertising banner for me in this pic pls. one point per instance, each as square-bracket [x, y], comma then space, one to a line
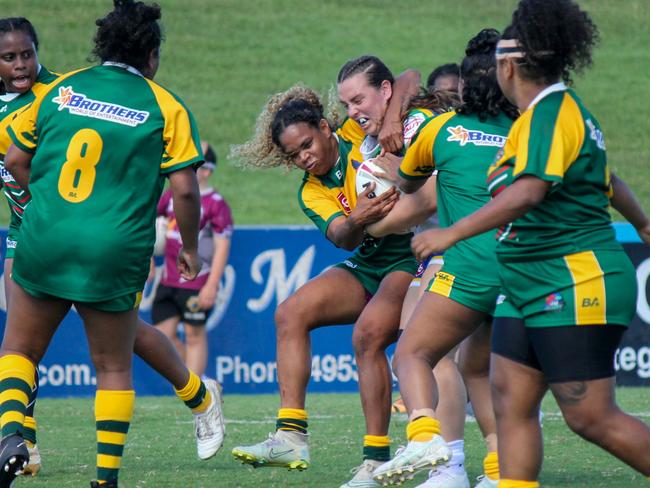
[266, 265]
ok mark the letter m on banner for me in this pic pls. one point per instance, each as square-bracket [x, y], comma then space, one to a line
[279, 285]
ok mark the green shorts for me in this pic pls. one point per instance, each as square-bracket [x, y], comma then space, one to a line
[370, 275]
[122, 303]
[585, 288]
[505, 308]
[477, 296]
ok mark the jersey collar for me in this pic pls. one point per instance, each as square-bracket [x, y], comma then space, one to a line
[130, 69]
[555, 87]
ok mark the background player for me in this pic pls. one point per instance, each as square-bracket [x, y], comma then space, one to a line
[192, 301]
[444, 78]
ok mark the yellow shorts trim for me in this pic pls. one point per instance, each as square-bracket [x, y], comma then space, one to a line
[589, 288]
[442, 284]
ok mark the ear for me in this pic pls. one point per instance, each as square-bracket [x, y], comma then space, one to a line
[509, 68]
[324, 127]
[386, 89]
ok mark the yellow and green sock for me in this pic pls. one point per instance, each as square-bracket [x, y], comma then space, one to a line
[376, 447]
[292, 419]
[16, 383]
[195, 395]
[113, 412]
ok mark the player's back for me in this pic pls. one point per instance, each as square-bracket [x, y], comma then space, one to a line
[95, 179]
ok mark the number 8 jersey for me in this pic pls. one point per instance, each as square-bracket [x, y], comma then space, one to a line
[103, 139]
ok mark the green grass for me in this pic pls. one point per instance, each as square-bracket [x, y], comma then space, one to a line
[225, 57]
[161, 453]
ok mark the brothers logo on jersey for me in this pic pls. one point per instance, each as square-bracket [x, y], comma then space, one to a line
[79, 104]
[477, 137]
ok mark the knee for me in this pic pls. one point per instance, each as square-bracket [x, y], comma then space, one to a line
[586, 423]
[194, 335]
[368, 339]
[285, 317]
[474, 368]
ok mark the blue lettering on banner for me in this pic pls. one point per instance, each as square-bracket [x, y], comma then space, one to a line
[267, 265]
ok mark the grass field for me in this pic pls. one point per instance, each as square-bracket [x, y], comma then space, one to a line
[225, 57]
[161, 453]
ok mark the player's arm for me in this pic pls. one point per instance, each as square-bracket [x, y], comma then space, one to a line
[513, 202]
[405, 87]
[19, 164]
[348, 232]
[208, 293]
[624, 200]
[409, 211]
[187, 207]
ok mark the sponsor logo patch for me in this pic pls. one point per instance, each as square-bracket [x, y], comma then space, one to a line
[344, 202]
[477, 137]
[79, 104]
[554, 303]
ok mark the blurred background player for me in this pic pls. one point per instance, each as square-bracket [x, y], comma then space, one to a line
[19, 60]
[367, 289]
[462, 296]
[94, 202]
[444, 78]
[191, 302]
[568, 285]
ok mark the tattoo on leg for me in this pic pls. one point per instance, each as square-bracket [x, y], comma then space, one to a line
[570, 393]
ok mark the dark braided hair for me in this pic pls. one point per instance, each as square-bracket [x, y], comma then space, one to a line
[293, 112]
[373, 67]
[129, 33]
[481, 93]
[11, 24]
[556, 38]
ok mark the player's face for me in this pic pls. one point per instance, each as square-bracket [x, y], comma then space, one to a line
[365, 103]
[310, 148]
[446, 83]
[18, 62]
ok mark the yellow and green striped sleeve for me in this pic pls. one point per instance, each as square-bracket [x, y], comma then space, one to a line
[549, 138]
[182, 145]
[318, 203]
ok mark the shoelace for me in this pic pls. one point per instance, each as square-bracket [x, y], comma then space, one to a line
[203, 426]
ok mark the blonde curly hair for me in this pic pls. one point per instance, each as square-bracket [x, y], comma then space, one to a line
[261, 151]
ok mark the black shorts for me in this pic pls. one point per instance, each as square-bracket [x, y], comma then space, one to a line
[178, 302]
[563, 354]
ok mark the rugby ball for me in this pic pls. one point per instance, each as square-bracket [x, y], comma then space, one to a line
[365, 176]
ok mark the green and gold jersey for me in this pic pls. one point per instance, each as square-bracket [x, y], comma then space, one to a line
[460, 148]
[102, 140]
[10, 105]
[324, 198]
[558, 140]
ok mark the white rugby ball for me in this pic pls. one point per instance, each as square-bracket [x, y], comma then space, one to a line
[365, 177]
